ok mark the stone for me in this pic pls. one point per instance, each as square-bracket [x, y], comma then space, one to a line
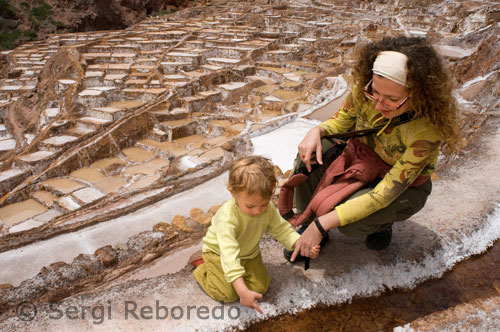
[107, 255]
[179, 222]
[167, 229]
[5, 286]
[201, 217]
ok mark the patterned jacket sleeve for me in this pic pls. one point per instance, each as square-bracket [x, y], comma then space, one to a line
[344, 119]
[422, 146]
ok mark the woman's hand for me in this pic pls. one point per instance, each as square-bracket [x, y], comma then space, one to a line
[310, 148]
[308, 243]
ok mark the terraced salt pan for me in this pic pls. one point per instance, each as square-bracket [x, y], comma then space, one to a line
[7, 144]
[14, 213]
[118, 230]
[425, 246]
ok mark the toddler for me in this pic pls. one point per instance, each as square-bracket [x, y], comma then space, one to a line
[232, 264]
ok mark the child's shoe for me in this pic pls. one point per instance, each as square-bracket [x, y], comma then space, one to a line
[196, 259]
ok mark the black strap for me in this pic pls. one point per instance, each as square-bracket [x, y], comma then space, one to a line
[320, 227]
[403, 118]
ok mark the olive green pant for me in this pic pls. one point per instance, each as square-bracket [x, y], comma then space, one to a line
[211, 277]
[408, 203]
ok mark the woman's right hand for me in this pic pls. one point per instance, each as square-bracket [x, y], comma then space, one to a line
[310, 148]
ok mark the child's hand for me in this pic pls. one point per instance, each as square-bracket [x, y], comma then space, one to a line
[249, 299]
[315, 251]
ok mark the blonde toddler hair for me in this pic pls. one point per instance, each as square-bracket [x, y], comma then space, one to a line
[253, 175]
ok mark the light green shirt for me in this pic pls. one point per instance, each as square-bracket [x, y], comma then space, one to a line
[235, 235]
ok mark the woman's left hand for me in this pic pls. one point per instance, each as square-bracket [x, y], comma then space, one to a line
[310, 238]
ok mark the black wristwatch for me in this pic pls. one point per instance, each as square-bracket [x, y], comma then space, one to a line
[320, 228]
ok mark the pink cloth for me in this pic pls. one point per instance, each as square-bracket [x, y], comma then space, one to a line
[357, 166]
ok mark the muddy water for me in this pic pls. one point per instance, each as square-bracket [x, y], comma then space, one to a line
[127, 103]
[17, 212]
[287, 95]
[476, 278]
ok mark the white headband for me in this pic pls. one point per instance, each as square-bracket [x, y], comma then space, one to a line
[391, 65]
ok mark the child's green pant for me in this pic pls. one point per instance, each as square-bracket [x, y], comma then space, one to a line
[211, 277]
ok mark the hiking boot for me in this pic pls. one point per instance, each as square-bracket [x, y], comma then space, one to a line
[288, 253]
[380, 240]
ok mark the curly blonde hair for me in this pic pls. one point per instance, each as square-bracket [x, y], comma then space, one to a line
[253, 175]
[427, 80]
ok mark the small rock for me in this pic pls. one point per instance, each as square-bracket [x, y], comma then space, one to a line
[5, 286]
[121, 246]
[193, 225]
[58, 265]
[44, 271]
[179, 222]
[228, 145]
[199, 216]
[166, 229]
[107, 255]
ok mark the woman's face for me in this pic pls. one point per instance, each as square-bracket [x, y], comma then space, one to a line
[387, 92]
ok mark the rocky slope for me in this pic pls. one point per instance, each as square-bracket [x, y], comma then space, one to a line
[22, 20]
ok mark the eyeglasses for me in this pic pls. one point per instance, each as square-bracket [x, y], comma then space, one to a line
[385, 104]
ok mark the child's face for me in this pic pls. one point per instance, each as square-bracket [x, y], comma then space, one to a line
[252, 205]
